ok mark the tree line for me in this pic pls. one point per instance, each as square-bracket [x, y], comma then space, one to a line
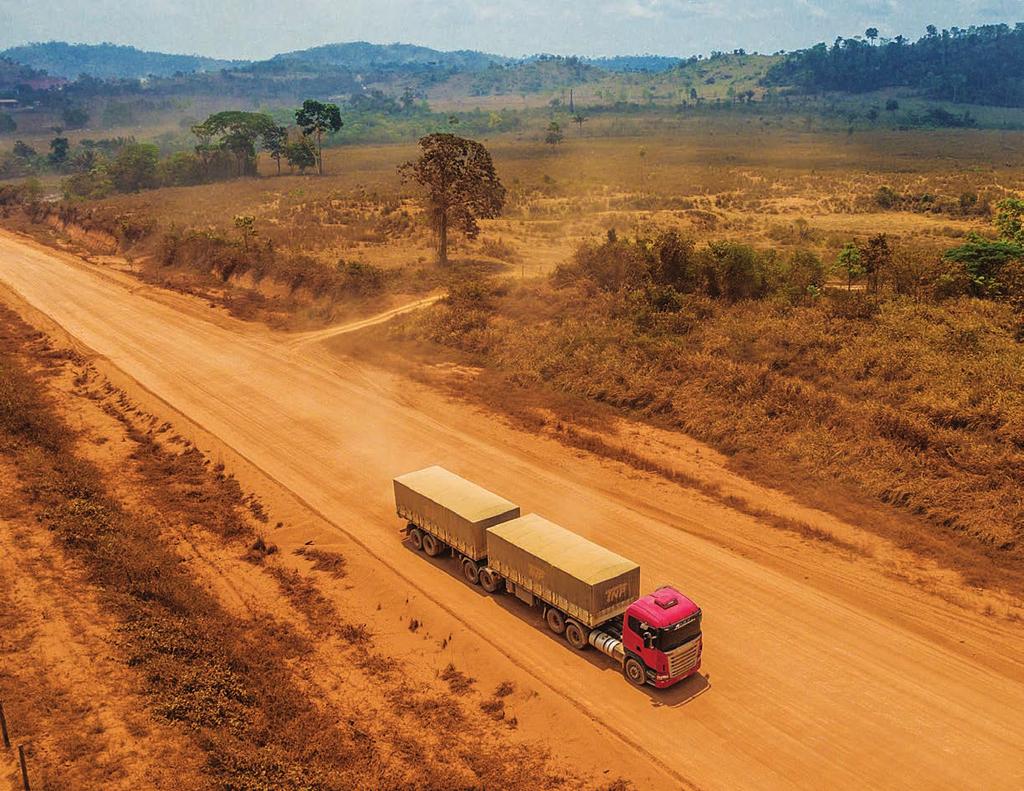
[228, 145]
[978, 65]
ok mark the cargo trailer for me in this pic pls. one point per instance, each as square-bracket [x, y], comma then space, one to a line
[582, 579]
[585, 592]
[443, 510]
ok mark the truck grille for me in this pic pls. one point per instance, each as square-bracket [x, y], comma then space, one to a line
[684, 658]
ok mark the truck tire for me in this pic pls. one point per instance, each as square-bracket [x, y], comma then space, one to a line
[555, 619]
[471, 571]
[416, 538]
[490, 581]
[432, 546]
[576, 636]
[634, 671]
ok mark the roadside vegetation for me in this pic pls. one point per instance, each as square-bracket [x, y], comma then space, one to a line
[908, 390]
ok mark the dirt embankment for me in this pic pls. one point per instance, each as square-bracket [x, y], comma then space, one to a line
[154, 636]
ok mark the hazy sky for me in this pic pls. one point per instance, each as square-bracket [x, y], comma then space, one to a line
[259, 28]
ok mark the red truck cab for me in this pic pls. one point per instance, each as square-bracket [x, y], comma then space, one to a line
[663, 631]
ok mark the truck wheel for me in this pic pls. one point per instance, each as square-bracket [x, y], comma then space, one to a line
[490, 581]
[471, 571]
[634, 671]
[576, 635]
[555, 619]
[416, 538]
[432, 546]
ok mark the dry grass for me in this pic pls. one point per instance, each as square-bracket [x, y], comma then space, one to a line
[734, 177]
[894, 406]
[916, 406]
[494, 708]
[333, 563]
[504, 689]
[458, 682]
[757, 179]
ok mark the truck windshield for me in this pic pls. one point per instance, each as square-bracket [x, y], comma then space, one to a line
[672, 637]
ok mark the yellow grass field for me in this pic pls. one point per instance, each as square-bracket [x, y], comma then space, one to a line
[711, 178]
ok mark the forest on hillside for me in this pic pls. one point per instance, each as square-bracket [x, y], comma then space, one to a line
[977, 65]
[109, 61]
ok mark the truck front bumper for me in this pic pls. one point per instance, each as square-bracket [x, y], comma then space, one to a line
[663, 682]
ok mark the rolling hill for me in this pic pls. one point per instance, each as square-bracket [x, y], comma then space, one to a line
[363, 55]
[109, 61]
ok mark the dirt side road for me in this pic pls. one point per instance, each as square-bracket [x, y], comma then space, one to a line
[821, 671]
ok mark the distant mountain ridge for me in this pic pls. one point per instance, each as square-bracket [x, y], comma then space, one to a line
[363, 55]
[109, 61]
[975, 65]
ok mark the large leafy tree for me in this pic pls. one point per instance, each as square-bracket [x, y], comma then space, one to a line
[983, 262]
[461, 184]
[318, 118]
[275, 141]
[236, 132]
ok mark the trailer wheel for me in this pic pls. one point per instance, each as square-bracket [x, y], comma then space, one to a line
[471, 571]
[555, 619]
[576, 635]
[416, 538]
[432, 546]
[634, 671]
[490, 581]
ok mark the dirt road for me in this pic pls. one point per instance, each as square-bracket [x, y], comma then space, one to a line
[820, 670]
[318, 336]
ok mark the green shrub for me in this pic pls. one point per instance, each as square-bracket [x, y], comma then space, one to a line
[135, 167]
[734, 271]
[181, 170]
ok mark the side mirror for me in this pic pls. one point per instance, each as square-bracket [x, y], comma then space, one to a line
[648, 640]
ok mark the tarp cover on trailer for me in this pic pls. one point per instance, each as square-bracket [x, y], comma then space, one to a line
[581, 578]
[455, 510]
